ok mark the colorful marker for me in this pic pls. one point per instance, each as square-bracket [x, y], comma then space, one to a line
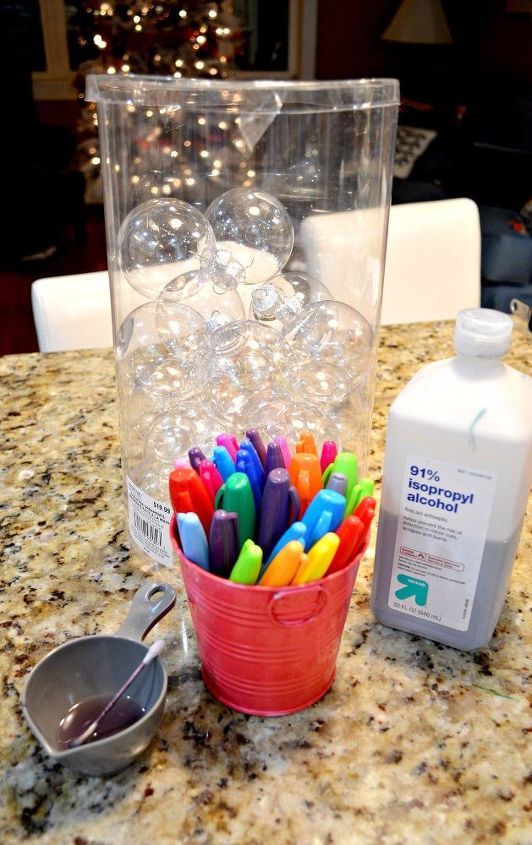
[223, 462]
[282, 442]
[329, 451]
[363, 489]
[274, 457]
[319, 559]
[284, 566]
[223, 542]
[280, 506]
[296, 531]
[245, 464]
[193, 539]
[195, 455]
[188, 494]
[230, 442]
[347, 464]
[247, 567]
[366, 510]
[306, 443]
[337, 481]
[324, 514]
[253, 435]
[351, 532]
[210, 477]
[305, 475]
[236, 495]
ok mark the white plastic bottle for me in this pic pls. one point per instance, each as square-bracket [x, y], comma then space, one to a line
[456, 478]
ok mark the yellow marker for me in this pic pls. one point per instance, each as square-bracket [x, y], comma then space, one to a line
[284, 565]
[306, 443]
[319, 559]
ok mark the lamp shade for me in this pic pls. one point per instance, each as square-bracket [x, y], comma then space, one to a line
[419, 22]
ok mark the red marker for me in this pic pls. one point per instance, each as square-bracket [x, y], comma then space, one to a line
[188, 493]
[366, 510]
[210, 477]
[351, 532]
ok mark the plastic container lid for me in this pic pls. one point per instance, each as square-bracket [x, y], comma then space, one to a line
[482, 333]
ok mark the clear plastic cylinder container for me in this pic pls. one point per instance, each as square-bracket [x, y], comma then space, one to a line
[246, 229]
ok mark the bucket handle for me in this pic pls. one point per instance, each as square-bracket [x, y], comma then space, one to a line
[322, 598]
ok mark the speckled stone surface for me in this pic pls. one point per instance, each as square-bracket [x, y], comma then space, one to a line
[415, 743]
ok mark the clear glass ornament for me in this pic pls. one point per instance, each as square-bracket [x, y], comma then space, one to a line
[284, 300]
[160, 240]
[255, 228]
[177, 429]
[196, 290]
[248, 365]
[332, 346]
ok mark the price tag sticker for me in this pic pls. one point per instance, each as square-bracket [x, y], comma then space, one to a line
[149, 522]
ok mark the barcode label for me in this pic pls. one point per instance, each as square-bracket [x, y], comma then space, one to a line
[150, 532]
[149, 521]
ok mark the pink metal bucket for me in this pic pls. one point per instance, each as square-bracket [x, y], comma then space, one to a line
[267, 651]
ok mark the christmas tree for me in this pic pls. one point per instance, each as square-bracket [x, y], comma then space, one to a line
[164, 37]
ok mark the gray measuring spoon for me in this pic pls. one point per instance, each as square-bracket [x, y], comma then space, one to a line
[96, 666]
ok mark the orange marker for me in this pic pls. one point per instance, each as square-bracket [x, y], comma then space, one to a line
[305, 475]
[284, 565]
[306, 443]
[351, 532]
[319, 559]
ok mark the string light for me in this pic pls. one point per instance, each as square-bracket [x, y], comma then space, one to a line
[204, 31]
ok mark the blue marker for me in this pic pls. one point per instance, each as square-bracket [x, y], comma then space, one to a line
[223, 462]
[296, 531]
[245, 464]
[324, 514]
[248, 447]
[193, 539]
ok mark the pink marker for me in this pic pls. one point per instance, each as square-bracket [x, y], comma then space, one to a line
[329, 451]
[282, 442]
[230, 442]
[211, 477]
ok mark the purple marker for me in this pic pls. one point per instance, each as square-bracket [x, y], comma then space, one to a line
[285, 449]
[280, 505]
[223, 542]
[274, 458]
[230, 442]
[337, 481]
[253, 435]
[195, 455]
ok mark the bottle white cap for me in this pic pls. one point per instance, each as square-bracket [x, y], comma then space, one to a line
[482, 333]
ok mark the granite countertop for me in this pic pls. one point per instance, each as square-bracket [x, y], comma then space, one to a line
[415, 743]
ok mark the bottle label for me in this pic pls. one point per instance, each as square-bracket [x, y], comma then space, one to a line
[444, 514]
[149, 522]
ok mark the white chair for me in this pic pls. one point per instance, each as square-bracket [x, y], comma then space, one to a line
[72, 312]
[432, 261]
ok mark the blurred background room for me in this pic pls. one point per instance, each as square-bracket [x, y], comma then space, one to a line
[465, 125]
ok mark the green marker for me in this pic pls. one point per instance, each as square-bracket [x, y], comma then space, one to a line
[247, 567]
[236, 496]
[365, 487]
[346, 463]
